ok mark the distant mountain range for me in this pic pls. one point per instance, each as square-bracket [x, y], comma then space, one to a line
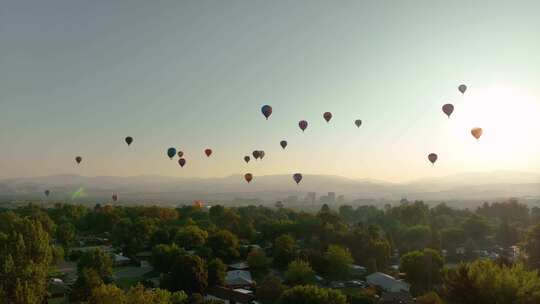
[137, 189]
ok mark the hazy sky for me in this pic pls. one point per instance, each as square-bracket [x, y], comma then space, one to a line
[76, 77]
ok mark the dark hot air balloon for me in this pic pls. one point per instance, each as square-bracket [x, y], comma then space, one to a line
[327, 116]
[248, 177]
[182, 162]
[180, 154]
[171, 152]
[208, 152]
[477, 132]
[247, 159]
[462, 88]
[256, 154]
[266, 111]
[303, 125]
[297, 177]
[283, 144]
[78, 159]
[129, 140]
[432, 158]
[261, 154]
[114, 197]
[358, 123]
[47, 192]
[448, 109]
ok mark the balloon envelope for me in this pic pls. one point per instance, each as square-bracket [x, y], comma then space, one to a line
[248, 177]
[476, 132]
[462, 88]
[180, 154]
[327, 116]
[247, 159]
[266, 111]
[303, 125]
[115, 197]
[47, 192]
[448, 109]
[171, 152]
[182, 162]
[261, 154]
[208, 152]
[78, 159]
[358, 123]
[432, 157]
[283, 144]
[297, 177]
[256, 154]
[129, 140]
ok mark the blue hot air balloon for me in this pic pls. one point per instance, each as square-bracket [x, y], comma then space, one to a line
[171, 152]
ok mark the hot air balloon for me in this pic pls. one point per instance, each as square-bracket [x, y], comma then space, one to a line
[208, 152]
[114, 197]
[266, 111]
[78, 159]
[180, 154]
[47, 192]
[129, 140]
[171, 152]
[283, 144]
[182, 162]
[462, 88]
[327, 116]
[432, 158]
[477, 132]
[256, 154]
[448, 109]
[198, 204]
[303, 125]
[248, 177]
[261, 154]
[358, 123]
[297, 177]
[247, 159]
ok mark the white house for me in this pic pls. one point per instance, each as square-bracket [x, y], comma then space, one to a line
[387, 282]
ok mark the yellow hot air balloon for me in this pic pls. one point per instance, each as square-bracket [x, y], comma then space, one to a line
[476, 132]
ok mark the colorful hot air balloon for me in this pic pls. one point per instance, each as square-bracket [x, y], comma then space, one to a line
[182, 162]
[358, 123]
[171, 152]
[283, 144]
[448, 109]
[303, 125]
[266, 111]
[477, 132]
[297, 177]
[180, 154]
[47, 192]
[256, 154]
[198, 204]
[261, 154]
[247, 159]
[327, 116]
[114, 197]
[208, 152]
[78, 159]
[462, 88]
[248, 177]
[129, 140]
[432, 158]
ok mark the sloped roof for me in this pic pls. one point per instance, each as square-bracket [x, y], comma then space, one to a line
[385, 281]
[238, 278]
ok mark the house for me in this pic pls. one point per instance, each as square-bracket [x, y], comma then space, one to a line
[239, 266]
[387, 282]
[396, 298]
[358, 270]
[239, 278]
[230, 296]
[120, 260]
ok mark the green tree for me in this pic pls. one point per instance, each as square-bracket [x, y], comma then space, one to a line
[87, 281]
[258, 261]
[532, 246]
[284, 250]
[187, 273]
[338, 261]
[65, 234]
[429, 298]
[217, 271]
[98, 261]
[108, 294]
[312, 295]
[299, 273]
[224, 245]
[423, 269]
[164, 255]
[191, 237]
[270, 289]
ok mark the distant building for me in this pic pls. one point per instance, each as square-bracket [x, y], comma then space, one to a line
[341, 199]
[331, 197]
[387, 282]
[311, 197]
[231, 296]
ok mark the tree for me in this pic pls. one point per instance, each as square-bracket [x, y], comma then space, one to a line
[477, 228]
[270, 289]
[258, 261]
[98, 261]
[423, 269]
[224, 245]
[312, 295]
[191, 237]
[299, 273]
[25, 259]
[187, 273]
[163, 256]
[87, 281]
[139, 295]
[532, 246]
[429, 298]
[338, 261]
[65, 234]
[108, 294]
[284, 250]
[217, 271]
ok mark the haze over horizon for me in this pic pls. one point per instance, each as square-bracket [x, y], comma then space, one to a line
[77, 77]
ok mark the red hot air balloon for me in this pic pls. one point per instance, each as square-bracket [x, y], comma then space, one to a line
[477, 132]
[358, 123]
[114, 197]
[283, 144]
[432, 158]
[129, 140]
[208, 152]
[256, 154]
[180, 154]
[247, 159]
[448, 109]
[462, 88]
[266, 111]
[182, 162]
[248, 177]
[297, 177]
[327, 116]
[303, 125]
[78, 159]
